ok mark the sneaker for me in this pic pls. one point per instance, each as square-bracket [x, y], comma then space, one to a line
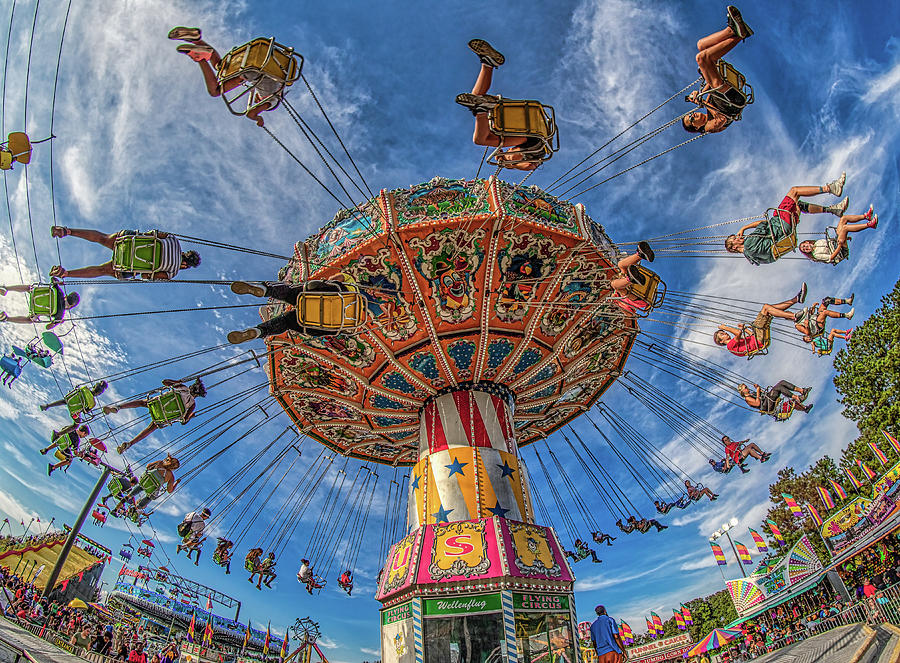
[714, 497]
[809, 408]
[849, 314]
[660, 528]
[57, 271]
[182, 33]
[59, 231]
[244, 288]
[49, 469]
[837, 186]
[801, 296]
[486, 53]
[645, 252]
[477, 103]
[849, 300]
[242, 336]
[196, 52]
[736, 23]
[839, 209]
[849, 335]
[868, 215]
[765, 457]
[3, 288]
[110, 409]
[635, 275]
[744, 470]
[805, 392]
[3, 316]
[874, 222]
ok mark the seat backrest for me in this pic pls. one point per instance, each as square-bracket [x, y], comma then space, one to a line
[6, 159]
[330, 311]
[650, 290]
[784, 410]
[511, 117]
[141, 254]
[260, 56]
[80, 400]
[151, 482]
[43, 300]
[166, 407]
[115, 486]
[731, 75]
[788, 242]
[20, 146]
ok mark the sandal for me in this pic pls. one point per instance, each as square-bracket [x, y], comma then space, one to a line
[196, 52]
[185, 34]
[59, 231]
[57, 271]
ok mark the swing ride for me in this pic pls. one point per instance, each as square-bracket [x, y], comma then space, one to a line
[442, 331]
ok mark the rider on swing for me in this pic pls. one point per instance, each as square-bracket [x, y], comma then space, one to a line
[265, 569]
[96, 390]
[642, 525]
[67, 441]
[820, 250]
[171, 260]
[582, 551]
[738, 452]
[65, 303]
[753, 337]
[630, 274]
[346, 581]
[766, 401]
[601, 537]
[811, 320]
[222, 554]
[695, 492]
[306, 577]
[712, 49]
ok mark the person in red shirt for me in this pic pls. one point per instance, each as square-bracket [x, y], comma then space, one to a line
[629, 274]
[138, 655]
[750, 338]
[738, 452]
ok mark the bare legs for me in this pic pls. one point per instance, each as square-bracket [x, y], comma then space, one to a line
[780, 310]
[483, 134]
[712, 49]
[849, 224]
[141, 402]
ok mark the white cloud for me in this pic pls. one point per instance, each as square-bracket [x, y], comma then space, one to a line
[14, 510]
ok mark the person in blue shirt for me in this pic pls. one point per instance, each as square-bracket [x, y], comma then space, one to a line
[606, 639]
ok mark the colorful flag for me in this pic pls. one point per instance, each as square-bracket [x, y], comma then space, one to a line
[284, 645]
[743, 553]
[679, 620]
[626, 631]
[268, 639]
[815, 515]
[892, 440]
[838, 489]
[856, 483]
[190, 631]
[826, 497]
[687, 615]
[246, 637]
[791, 504]
[717, 552]
[208, 602]
[657, 622]
[758, 540]
[879, 454]
[651, 628]
[776, 533]
[865, 468]
[208, 632]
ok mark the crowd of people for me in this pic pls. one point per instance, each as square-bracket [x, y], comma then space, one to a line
[32, 540]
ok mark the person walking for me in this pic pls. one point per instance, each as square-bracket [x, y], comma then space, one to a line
[606, 639]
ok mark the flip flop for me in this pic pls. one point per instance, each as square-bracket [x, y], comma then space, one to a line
[182, 33]
[59, 231]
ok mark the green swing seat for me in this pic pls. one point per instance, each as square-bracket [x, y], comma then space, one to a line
[80, 401]
[166, 407]
[138, 254]
[43, 302]
[115, 486]
[151, 483]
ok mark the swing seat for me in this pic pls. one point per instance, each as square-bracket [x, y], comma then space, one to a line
[652, 291]
[821, 346]
[332, 312]
[138, 254]
[832, 241]
[19, 146]
[763, 347]
[166, 407]
[43, 301]
[731, 100]
[265, 67]
[784, 410]
[6, 159]
[250, 565]
[788, 242]
[80, 401]
[151, 483]
[524, 118]
[115, 486]
[59, 455]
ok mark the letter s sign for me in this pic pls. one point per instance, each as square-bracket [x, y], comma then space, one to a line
[458, 545]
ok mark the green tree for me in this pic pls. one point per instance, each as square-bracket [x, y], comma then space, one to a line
[868, 369]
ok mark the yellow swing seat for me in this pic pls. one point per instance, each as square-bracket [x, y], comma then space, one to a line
[6, 159]
[166, 407]
[332, 312]
[138, 254]
[80, 401]
[652, 291]
[19, 146]
[524, 118]
[43, 302]
[265, 67]
[763, 347]
[732, 99]
[788, 243]
[782, 411]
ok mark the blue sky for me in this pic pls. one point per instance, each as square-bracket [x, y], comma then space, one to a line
[140, 145]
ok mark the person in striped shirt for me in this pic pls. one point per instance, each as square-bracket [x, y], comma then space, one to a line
[172, 260]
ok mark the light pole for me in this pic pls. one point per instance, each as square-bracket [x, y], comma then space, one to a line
[723, 531]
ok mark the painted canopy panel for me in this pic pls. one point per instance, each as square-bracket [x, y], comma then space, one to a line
[465, 282]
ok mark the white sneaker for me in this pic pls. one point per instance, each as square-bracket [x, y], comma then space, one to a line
[849, 314]
[837, 186]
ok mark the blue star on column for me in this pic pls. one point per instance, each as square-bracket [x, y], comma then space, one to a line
[498, 510]
[505, 470]
[415, 481]
[441, 515]
[456, 467]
